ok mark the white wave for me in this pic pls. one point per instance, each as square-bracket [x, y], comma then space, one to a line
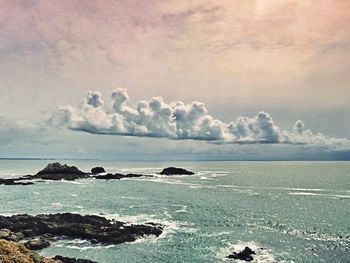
[57, 204]
[182, 210]
[79, 244]
[305, 189]
[318, 194]
[263, 255]
[170, 226]
[224, 233]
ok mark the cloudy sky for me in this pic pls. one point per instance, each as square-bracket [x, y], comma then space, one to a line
[194, 80]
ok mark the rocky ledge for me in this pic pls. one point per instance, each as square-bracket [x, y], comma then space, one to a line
[57, 171]
[36, 232]
[119, 176]
[175, 171]
[72, 260]
[245, 255]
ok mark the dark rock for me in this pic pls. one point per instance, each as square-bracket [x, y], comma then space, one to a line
[36, 244]
[245, 254]
[92, 228]
[94, 241]
[57, 171]
[110, 176]
[73, 260]
[118, 176]
[14, 181]
[175, 171]
[97, 170]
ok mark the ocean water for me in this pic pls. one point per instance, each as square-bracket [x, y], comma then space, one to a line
[285, 211]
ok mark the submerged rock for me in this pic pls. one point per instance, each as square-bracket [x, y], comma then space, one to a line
[118, 176]
[67, 225]
[57, 171]
[14, 181]
[72, 260]
[175, 171]
[245, 254]
[97, 170]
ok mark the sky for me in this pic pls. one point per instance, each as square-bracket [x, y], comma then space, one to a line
[175, 80]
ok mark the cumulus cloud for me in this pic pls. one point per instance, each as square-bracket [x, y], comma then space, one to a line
[178, 120]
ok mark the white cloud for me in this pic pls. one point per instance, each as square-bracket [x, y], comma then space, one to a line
[178, 120]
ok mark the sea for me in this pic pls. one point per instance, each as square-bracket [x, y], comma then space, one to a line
[284, 211]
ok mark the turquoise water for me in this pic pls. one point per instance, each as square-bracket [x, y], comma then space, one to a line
[295, 211]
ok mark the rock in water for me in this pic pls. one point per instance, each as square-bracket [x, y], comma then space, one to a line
[90, 227]
[118, 176]
[72, 260]
[36, 244]
[14, 181]
[57, 171]
[97, 170]
[245, 254]
[175, 171]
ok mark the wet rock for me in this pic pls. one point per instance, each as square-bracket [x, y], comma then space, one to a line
[97, 170]
[36, 244]
[72, 260]
[110, 176]
[175, 171]
[14, 181]
[117, 176]
[245, 254]
[93, 228]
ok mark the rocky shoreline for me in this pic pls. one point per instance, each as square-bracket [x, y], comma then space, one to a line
[57, 172]
[22, 234]
[39, 231]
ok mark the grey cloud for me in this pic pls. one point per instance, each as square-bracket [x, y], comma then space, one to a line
[178, 120]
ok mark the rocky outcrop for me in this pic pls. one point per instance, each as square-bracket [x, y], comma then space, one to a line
[57, 171]
[72, 260]
[14, 181]
[175, 171]
[97, 170]
[245, 254]
[36, 244]
[118, 176]
[93, 228]
[11, 252]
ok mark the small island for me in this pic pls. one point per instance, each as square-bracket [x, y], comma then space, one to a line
[57, 171]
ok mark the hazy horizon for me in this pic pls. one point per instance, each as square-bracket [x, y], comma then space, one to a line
[190, 80]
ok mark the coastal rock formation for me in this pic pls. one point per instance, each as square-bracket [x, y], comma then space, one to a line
[36, 244]
[57, 171]
[175, 171]
[245, 254]
[118, 176]
[97, 170]
[72, 260]
[11, 252]
[93, 228]
[14, 181]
